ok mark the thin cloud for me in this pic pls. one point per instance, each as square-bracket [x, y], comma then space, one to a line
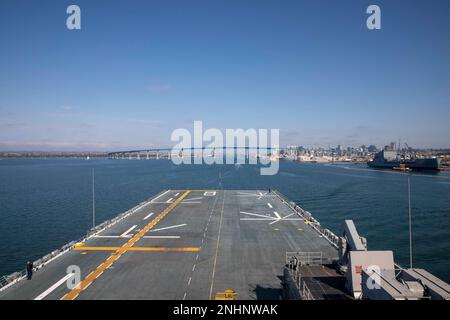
[12, 125]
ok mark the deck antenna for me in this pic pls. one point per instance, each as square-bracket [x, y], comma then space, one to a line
[93, 198]
[410, 223]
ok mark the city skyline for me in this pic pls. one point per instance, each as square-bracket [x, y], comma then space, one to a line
[136, 72]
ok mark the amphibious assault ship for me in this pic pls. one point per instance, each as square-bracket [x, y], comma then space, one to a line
[220, 244]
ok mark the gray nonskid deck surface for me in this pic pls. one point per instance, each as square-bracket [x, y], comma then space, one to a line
[235, 239]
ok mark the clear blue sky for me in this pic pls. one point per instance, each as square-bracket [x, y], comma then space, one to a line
[139, 69]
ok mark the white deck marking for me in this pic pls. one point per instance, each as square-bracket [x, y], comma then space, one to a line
[260, 217]
[196, 198]
[257, 215]
[248, 194]
[270, 206]
[53, 287]
[148, 216]
[108, 237]
[168, 201]
[171, 227]
[176, 194]
[125, 234]
[191, 202]
[162, 237]
[153, 200]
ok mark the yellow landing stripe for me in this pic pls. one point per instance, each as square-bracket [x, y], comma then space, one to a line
[117, 254]
[136, 249]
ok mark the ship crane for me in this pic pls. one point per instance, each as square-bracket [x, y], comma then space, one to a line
[410, 151]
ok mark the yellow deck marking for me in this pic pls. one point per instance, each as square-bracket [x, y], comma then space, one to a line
[121, 250]
[136, 249]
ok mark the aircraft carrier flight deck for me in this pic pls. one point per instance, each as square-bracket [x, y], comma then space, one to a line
[183, 244]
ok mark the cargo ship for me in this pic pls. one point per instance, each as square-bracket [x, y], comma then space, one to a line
[388, 159]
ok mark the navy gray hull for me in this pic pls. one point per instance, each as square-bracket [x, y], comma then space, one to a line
[388, 160]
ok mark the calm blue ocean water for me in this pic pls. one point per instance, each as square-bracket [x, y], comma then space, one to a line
[47, 203]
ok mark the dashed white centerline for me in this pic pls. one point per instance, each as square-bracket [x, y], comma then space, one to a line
[276, 213]
[176, 194]
[189, 281]
[148, 216]
[168, 201]
[193, 268]
[184, 296]
[270, 206]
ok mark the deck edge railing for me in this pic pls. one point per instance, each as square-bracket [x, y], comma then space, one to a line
[307, 216]
[7, 281]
